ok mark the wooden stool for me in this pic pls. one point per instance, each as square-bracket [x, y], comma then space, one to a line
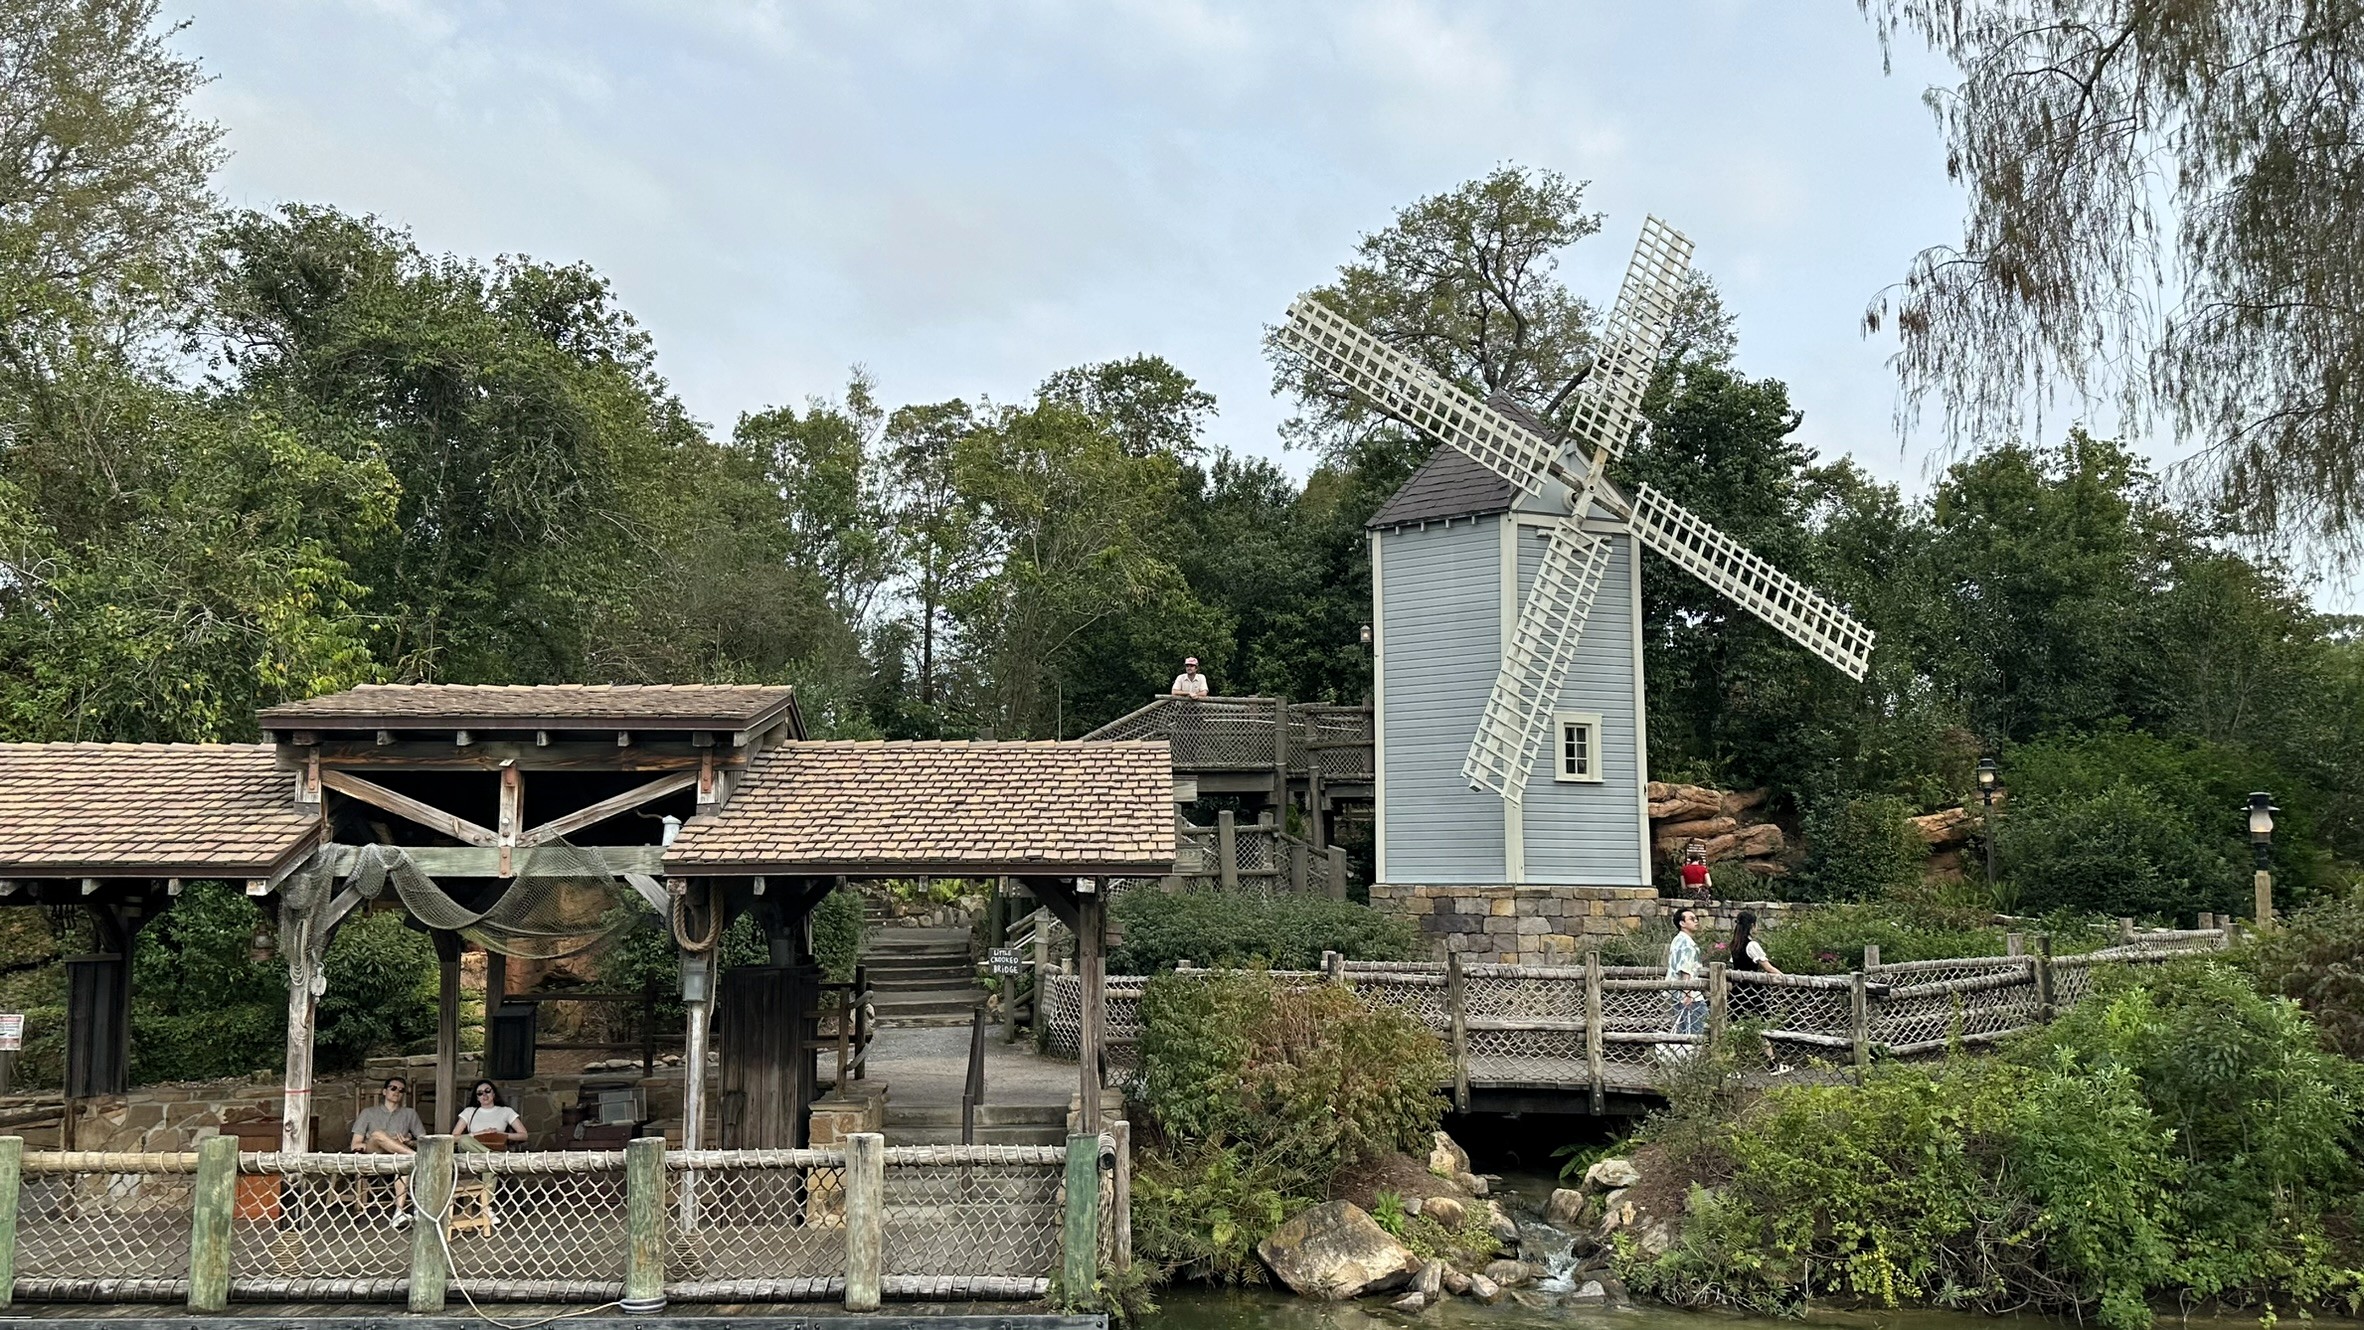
[472, 1197]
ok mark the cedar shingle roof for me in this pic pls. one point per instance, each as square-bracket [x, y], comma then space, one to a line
[146, 810]
[943, 808]
[1449, 484]
[537, 706]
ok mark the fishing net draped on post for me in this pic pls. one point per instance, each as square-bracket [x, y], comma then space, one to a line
[563, 901]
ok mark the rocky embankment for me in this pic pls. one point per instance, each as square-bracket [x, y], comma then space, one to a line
[1339, 1250]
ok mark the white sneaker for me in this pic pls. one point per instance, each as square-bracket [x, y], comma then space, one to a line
[401, 1219]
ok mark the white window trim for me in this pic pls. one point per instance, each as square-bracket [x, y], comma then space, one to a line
[1560, 721]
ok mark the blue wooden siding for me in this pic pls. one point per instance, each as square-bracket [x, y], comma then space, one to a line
[1440, 620]
[1589, 834]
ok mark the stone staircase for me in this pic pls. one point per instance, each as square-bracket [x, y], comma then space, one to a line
[920, 976]
[997, 1124]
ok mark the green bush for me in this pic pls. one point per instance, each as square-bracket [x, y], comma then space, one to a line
[2175, 1134]
[1863, 850]
[201, 1006]
[380, 994]
[837, 934]
[2317, 960]
[1829, 939]
[1257, 1095]
[2120, 851]
[1282, 932]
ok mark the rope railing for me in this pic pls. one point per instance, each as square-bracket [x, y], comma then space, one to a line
[854, 1223]
[1598, 1027]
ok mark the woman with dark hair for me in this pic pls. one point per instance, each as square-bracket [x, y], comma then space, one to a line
[1748, 953]
[1753, 1002]
[486, 1115]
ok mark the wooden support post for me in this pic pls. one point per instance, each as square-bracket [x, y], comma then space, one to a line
[1227, 850]
[1299, 858]
[2125, 929]
[1871, 956]
[2015, 944]
[1334, 966]
[1079, 1237]
[1042, 976]
[1090, 917]
[1456, 1011]
[209, 1222]
[1120, 1204]
[644, 1226]
[1595, 1047]
[512, 815]
[2044, 978]
[1337, 872]
[2262, 884]
[1859, 1020]
[447, 1030]
[865, 1219]
[430, 1201]
[296, 943]
[12, 1176]
[1280, 760]
[211, 1202]
[1717, 987]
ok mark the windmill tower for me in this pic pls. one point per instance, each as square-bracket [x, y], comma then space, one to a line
[1513, 748]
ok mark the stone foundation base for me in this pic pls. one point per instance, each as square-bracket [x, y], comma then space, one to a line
[836, 1118]
[1517, 925]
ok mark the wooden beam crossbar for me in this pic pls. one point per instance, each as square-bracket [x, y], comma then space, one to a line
[403, 806]
[607, 808]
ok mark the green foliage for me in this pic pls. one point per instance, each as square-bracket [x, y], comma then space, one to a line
[381, 990]
[1280, 932]
[1387, 1211]
[1863, 850]
[2174, 1134]
[201, 1006]
[1258, 1094]
[837, 934]
[1829, 939]
[2122, 851]
[2316, 959]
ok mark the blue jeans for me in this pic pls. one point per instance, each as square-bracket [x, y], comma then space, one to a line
[1690, 1017]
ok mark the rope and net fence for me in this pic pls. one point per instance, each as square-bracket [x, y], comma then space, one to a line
[1613, 1027]
[854, 1223]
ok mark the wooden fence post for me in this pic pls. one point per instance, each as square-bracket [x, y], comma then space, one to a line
[1337, 857]
[1227, 851]
[1717, 996]
[12, 1174]
[1595, 1059]
[211, 1202]
[430, 1202]
[1456, 1012]
[1120, 1208]
[1871, 956]
[1300, 862]
[2015, 944]
[865, 1219]
[1079, 1237]
[644, 1226]
[1859, 1020]
[2125, 929]
[2044, 978]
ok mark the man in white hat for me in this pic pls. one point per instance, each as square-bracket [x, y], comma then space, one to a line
[1189, 683]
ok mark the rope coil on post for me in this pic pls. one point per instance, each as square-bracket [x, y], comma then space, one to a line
[680, 921]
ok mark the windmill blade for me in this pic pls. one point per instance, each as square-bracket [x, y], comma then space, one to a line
[1798, 611]
[1517, 720]
[1605, 410]
[1417, 395]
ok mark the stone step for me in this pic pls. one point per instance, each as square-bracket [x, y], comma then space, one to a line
[1051, 1135]
[891, 938]
[937, 1002]
[997, 1115]
[906, 960]
[921, 981]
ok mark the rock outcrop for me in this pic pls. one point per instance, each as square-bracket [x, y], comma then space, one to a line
[1336, 1251]
[1726, 823]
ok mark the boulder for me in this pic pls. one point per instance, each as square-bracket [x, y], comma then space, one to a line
[1446, 1158]
[1591, 1294]
[1414, 1205]
[1410, 1302]
[1565, 1209]
[1336, 1251]
[1612, 1174]
[1946, 826]
[1431, 1279]
[1615, 1288]
[1683, 802]
[1706, 828]
[1616, 1214]
[1443, 1209]
[1484, 1290]
[1470, 1182]
[1504, 1228]
[1655, 1237]
[1509, 1273]
[1456, 1282]
[1737, 802]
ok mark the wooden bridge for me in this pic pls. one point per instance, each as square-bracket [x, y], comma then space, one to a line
[1595, 1038]
[1316, 755]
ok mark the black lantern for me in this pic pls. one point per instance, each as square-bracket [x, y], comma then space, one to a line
[1986, 780]
[1366, 635]
[2261, 826]
[1989, 782]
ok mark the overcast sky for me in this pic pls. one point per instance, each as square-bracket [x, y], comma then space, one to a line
[964, 198]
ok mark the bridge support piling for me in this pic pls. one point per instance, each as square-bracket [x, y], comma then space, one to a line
[1859, 1021]
[1595, 1059]
[1457, 1011]
[1717, 989]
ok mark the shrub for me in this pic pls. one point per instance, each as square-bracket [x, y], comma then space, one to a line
[1282, 932]
[1829, 939]
[201, 1005]
[2317, 960]
[2122, 851]
[381, 990]
[1863, 850]
[1257, 1095]
[837, 934]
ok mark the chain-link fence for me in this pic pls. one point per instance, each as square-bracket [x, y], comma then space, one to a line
[755, 1225]
[538, 1225]
[978, 1220]
[104, 1227]
[318, 1227]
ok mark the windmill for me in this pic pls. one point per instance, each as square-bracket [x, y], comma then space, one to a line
[1514, 445]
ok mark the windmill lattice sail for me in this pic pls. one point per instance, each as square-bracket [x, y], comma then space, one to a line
[1517, 719]
[1797, 611]
[1603, 414]
[1417, 395]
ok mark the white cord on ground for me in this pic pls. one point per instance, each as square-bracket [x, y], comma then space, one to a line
[451, 1266]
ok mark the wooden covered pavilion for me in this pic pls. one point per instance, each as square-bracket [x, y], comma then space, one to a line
[461, 787]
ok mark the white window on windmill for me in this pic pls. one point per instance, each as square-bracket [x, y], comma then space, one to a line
[1576, 747]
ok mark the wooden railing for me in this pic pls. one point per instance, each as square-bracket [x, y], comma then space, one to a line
[1228, 734]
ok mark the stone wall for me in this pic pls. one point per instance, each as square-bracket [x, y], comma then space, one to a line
[1537, 925]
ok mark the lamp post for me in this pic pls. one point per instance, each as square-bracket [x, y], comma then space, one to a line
[1988, 783]
[2261, 843]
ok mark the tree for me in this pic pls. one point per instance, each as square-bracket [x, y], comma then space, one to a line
[1150, 405]
[2162, 204]
[939, 528]
[828, 471]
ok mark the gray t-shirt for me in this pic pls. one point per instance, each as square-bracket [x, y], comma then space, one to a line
[399, 1123]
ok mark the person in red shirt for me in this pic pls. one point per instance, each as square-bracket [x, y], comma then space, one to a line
[1695, 870]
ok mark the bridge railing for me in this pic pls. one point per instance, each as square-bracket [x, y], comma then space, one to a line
[1599, 1027]
[851, 1223]
[1254, 734]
